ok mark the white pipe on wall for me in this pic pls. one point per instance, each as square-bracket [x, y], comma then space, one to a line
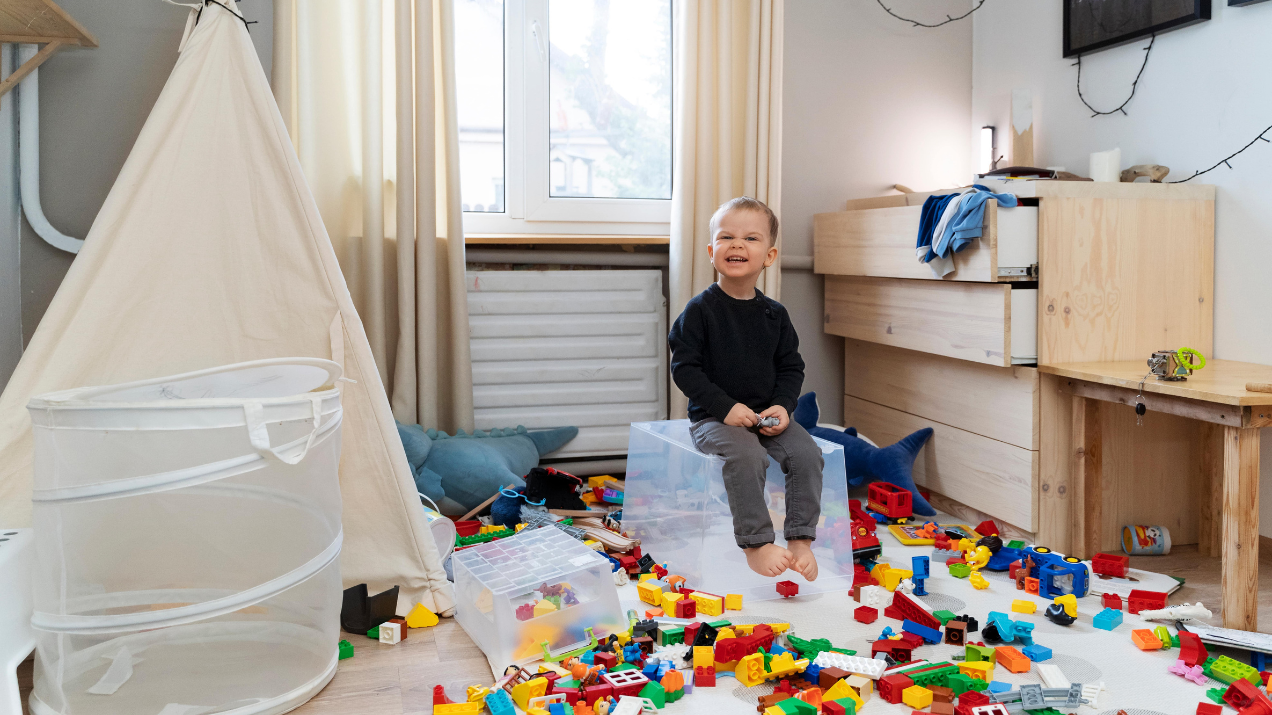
[29, 158]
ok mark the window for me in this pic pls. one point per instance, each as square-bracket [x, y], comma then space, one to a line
[565, 115]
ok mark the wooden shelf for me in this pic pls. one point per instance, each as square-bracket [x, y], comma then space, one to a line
[38, 22]
[575, 239]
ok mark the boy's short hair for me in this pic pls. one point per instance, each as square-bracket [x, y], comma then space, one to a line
[744, 203]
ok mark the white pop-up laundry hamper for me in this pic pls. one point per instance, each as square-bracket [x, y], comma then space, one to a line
[187, 539]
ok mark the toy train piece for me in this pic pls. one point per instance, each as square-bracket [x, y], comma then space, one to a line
[891, 503]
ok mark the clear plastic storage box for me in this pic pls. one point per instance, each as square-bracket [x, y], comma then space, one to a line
[499, 587]
[676, 505]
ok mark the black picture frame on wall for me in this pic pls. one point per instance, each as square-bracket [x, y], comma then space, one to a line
[1087, 22]
[1243, 3]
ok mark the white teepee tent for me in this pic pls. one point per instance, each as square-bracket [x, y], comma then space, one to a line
[209, 250]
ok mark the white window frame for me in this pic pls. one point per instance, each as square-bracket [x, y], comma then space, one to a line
[528, 206]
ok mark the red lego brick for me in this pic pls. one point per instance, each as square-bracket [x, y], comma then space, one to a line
[890, 687]
[955, 560]
[439, 696]
[625, 682]
[606, 660]
[1144, 601]
[987, 528]
[833, 708]
[691, 632]
[1114, 565]
[1112, 600]
[659, 571]
[866, 614]
[903, 608]
[973, 698]
[1265, 675]
[1209, 709]
[592, 693]
[686, 608]
[900, 651]
[572, 695]
[704, 676]
[1247, 699]
[629, 564]
[1191, 650]
[787, 588]
[911, 639]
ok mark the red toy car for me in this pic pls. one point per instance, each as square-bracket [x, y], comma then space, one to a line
[893, 502]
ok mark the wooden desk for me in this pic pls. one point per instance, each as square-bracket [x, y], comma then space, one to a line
[1215, 396]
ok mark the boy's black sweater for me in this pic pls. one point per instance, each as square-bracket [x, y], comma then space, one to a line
[725, 351]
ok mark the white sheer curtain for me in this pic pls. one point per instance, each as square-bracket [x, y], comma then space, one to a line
[728, 133]
[367, 90]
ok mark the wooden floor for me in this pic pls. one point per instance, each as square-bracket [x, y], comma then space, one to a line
[399, 680]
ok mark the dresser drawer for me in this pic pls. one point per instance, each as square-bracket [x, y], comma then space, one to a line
[991, 476]
[996, 402]
[881, 242]
[968, 321]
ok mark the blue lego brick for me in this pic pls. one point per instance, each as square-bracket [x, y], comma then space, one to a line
[500, 703]
[1023, 631]
[811, 673]
[588, 657]
[1037, 653]
[998, 686]
[920, 565]
[1108, 619]
[930, 635]
[556, 709]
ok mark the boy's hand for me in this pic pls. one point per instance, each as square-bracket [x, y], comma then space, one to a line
[741, 416]
[780, 413]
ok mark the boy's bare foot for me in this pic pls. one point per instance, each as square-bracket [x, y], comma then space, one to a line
[802, 559]
[768, 560]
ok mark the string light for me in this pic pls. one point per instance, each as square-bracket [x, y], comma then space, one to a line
[1224, 161]
[948, 18]
[1121, 107]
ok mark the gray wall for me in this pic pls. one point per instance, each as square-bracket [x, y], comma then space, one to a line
[868, 102]
[93, 103]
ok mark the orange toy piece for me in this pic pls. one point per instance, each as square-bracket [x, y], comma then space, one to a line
[654, 613]
[1012, 659]
[1144, 639]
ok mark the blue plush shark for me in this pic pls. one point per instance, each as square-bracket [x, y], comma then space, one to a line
[465, 470]
[865, 463]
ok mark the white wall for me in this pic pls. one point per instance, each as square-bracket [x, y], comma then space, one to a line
[868, 102]
[1203, 95]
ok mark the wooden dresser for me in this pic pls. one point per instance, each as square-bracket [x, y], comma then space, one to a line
[1079, 272]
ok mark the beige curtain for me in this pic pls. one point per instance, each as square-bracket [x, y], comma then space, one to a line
[728, 133]
[367, 90]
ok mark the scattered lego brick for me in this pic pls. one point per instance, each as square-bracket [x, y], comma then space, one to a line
[1209, 709]
[733, 602]
[892, 687]
[917, 697]
[865, 614]
[930, 635]
[1138, 601]
[1020, 605]
[1012, 659]
[421, 617]
[955, 632]
[346, 649]
[1107, 620]
[1037, 653]
[786, 589]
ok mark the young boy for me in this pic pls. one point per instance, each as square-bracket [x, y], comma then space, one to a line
[735, 354]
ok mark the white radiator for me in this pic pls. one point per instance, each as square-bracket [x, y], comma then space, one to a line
[582, 348]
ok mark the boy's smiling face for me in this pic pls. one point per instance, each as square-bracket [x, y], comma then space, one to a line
[742, 246]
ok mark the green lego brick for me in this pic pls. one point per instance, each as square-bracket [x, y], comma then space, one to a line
[671, 636]
[1163, 635]
[791, 706]
[960, 570]
[722, 623]
[1045, 711]
[960, 683]
[656, 693]
[1229, 671]
[974, 653]
[848, 704]
[1015, 544]
[623, 666]
[1216, 695]
[810, 649]
[1174, 641]
[374, 633]
[346, 649]
[944, 616]
[938, 675]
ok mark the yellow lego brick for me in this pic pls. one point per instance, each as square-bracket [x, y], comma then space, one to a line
[552, 668]
[980, 670]
[649, 593]
[750, 670]
[708, 605]
[594, 545]
[623, 638]
[774, 710]
[646, 577]
[726, 632]
[841, 689]
[460, 708]
[522, 692]
[477, 693]
[1069, 602]
[893, 577]
[733, 602]
[863, 685]
[598, 482]
[726, 667]
[1020, 605]
[533, 711]
[917, 697]
[780, 628]
[421, 617]
[742, 629]
[544, 607]
[669, 602]
[879, 570]
[703, 656]
[785, 664]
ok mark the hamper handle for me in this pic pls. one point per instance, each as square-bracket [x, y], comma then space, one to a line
[259, 435]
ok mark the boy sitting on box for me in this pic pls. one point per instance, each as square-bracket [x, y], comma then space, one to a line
[735, 355]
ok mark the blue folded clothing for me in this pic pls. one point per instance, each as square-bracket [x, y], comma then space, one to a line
[967, 221]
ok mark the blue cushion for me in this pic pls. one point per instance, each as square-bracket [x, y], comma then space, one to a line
[865, 463]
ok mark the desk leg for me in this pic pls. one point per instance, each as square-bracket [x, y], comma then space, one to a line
[1087, 477]
[1240, 528]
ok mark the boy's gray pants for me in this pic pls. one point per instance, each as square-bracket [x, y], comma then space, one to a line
[746, 456]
